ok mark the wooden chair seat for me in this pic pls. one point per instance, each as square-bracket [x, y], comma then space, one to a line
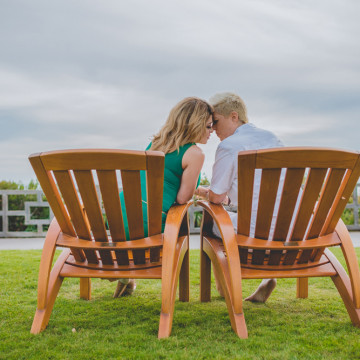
[68, 179]
[312, 195]
[248, 271]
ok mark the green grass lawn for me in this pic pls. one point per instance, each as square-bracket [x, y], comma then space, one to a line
[107, 328]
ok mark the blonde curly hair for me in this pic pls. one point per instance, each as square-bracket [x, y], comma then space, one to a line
[186, 124]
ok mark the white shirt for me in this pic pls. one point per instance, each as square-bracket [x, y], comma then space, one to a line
[224, 175]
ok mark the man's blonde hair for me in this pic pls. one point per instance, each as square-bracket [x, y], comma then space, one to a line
[225, 103]
[186, 124]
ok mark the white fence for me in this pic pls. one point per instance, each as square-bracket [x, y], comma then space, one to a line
[25, 213]
[19, 213]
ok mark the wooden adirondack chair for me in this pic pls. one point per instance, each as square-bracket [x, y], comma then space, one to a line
[68, 179]
[314, 193]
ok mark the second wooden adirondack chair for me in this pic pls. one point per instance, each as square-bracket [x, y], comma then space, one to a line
[314, 192]
[68, 179]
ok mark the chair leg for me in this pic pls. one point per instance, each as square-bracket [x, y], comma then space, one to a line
[43, 313]
[170, 277]
[213, 255]
[85, 288]
[237, 320]
[184, 280]
[205, 277]
[167, 310]
[343, 285]
[302, 288]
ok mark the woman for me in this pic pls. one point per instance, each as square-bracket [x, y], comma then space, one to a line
[189, 122]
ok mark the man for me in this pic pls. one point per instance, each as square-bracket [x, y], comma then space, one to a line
[236, 134]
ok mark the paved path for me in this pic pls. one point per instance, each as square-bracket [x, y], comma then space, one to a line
[37, 243]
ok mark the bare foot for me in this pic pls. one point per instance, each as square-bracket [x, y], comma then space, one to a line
[263, 291]
[124, 287]
[120, 288]
[130, 287]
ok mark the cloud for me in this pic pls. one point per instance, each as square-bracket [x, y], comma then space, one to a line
[106, 74]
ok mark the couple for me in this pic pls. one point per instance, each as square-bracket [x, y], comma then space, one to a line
[192, 121]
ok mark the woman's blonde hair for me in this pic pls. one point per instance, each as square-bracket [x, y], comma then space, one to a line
[186, 124]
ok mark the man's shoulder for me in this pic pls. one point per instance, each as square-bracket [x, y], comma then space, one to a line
[249, 137]
[252, 130]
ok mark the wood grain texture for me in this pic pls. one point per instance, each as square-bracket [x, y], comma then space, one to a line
[246, 173]
[304, 228]
[133, 204]
[289, 196]
[329, 191]
[267, 197]
[90, 159]
[110, 196]
[75, 209]
[69, 182]
[92, 209]
[154, 191]
[310, 196]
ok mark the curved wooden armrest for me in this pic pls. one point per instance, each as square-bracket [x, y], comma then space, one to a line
[221, 218]
[223, 221]
[352, 264]
[174, 221]
[46, 261]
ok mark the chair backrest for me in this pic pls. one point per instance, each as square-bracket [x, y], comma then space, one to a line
[69, 179]
[313, 194]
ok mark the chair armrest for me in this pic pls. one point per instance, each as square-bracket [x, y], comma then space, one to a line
[352, 264]
[223, 221]
[175, 219]
[46, 262]
[221, 217]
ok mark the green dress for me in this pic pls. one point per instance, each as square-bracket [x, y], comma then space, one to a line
[172, 178]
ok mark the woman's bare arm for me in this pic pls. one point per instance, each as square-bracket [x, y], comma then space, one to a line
[192, 163]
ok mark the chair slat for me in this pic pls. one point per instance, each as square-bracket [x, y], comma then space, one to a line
[52, 194]
[243, 253]
[290, 257]
[289, 196]
[327, 197]
[154, 190]
[133, 203]
[343, 196]
[246, 173]
[305, 256]
[87, 189]
[111, 200]
[267, 197]
[309, 197]
[53, 197]
[258, 257]
[275, 257]
[313, 185]
[71, 199]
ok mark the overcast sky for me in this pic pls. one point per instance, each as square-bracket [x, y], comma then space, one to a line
[105, 74]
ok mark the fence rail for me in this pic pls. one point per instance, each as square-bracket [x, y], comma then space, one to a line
[33, 223]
